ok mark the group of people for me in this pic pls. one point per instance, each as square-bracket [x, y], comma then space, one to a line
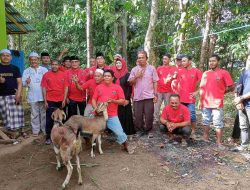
[66, 85]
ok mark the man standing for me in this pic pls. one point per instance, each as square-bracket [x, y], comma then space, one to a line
[100, 64]
[32, 78]
[175, 118]
[54, 93]
[243, 105]
[45, 58]
[11, 109]
[144, 78]
[214, 84]
[178, 68]
[66, 64]
[188, 79]
[77, 98]
[165, 74]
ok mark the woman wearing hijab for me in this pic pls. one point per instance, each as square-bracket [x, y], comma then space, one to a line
[124, 111]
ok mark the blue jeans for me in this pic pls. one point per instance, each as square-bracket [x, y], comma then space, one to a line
[115, 126]
[191, 108]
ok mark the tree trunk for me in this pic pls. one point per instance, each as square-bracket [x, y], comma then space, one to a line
[124, 35]
[89, 31]
[45, 8]
[150, 32]
[180, 34]
[212, 42]
[11, 43]
[204, 46]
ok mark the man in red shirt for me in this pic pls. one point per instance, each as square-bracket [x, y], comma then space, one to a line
[214, 84]
[77, 98]
[90, 86]
[188, 81]
[100, 64]
[176, 118]
[55, 93]
[165, 73]
[66, 64]
[114, 95]
[178, 67]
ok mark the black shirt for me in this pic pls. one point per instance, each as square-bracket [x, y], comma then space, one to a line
[10, 73]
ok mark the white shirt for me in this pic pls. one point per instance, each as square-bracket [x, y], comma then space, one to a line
[34, 88]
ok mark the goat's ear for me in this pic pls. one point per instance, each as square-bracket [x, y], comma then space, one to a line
[53, 115]
[64, 116]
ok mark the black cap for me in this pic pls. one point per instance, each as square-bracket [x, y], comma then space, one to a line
[66, 58]
[44, 54]
[98, 54]
[74, 57]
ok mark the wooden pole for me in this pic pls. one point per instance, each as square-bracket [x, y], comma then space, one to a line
[3, 34]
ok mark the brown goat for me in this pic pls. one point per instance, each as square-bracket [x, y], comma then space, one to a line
[95, 125]
[67, 143]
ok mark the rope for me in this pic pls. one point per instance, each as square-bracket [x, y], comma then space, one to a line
[197, 37]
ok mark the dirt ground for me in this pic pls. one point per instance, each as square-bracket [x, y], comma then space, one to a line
[155, 165]
[27, 166]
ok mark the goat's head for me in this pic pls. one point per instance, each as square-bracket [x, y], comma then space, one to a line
[102, 109]
[58, 116]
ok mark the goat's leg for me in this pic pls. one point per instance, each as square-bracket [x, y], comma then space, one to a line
[92, 145]
[79, 170]
[57, 151]
[99, 138]
[70, 169]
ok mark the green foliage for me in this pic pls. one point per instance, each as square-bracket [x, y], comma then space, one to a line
[65, 26]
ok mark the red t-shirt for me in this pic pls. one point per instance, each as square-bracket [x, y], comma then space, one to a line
[63, 69]
[212, 87]
[91, 71]
[74, 93]
[54, 83]
[104, 92]
[163, 73]
[176, 116]
[175, 81]
[90, 85]
[188, 80]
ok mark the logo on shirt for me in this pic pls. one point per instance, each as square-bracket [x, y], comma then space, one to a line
[218, 78]
[7, 74]
[181, 116]
[192, 76]
[114, 92]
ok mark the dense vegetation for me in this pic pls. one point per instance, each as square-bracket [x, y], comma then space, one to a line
[62, 23]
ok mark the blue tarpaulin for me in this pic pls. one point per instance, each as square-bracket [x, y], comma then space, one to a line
[18, 60]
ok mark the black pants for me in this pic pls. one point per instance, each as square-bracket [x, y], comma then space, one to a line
[236, 129]
[73, 105]
[184, 131]
[49, 122]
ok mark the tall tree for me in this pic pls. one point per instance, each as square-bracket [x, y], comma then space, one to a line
[89, 31]
[150, 32]
[120, 29]
[180, 34]
[204, 46]
[45, 8]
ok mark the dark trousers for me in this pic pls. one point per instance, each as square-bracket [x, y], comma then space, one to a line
[73, 105]
[144, 109]
[184, 131]
[49, 121]
[236, 129]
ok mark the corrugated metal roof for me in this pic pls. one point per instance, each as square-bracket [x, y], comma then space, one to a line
[15, 22]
